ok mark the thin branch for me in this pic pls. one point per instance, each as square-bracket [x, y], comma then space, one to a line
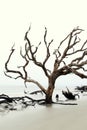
[26, 63]
[78, 59]
[73, 40]
[9, 70]
[33, 57]
[47, 47]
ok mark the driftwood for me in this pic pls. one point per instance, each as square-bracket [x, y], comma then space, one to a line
[12, 103]
[36, 92]
[6, 98]
[82, 89]
[69, 95]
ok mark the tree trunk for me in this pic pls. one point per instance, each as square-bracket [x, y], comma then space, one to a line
[49, 97]
[50, 90]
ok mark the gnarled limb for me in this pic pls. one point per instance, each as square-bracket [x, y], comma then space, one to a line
[77, 62]
[37, 83]
[9, 70]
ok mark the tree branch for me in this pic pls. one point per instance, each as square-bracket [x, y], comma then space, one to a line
[33, 57]
[37, 83]
[81, 75]
[47, 47]
[72, 41]
[71, 49]
[9, 70]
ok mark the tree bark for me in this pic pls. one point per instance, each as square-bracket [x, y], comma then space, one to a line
[49, 95]
[50, 90]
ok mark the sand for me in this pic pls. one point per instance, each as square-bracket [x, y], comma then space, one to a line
[54, 117]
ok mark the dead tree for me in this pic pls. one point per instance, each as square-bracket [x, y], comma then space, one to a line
[77, 60]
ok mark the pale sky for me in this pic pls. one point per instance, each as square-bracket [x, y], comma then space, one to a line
[59, 16]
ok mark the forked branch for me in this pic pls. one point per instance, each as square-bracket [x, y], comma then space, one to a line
[9, 70]
[34, 52]
[71, 49]
[25, 76]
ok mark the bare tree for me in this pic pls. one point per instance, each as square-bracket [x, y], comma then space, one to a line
[73, 47]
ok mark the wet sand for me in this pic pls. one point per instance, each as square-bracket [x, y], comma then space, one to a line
[60, 117]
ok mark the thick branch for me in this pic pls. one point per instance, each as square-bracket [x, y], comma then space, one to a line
[81, 75]
[37, 83]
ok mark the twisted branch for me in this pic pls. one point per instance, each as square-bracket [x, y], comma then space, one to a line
[75, 63]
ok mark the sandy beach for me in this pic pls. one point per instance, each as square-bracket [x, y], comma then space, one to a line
[60, 117]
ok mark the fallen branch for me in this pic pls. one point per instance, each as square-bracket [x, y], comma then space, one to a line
[69, 95]
[82, 89]
[36, 92]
